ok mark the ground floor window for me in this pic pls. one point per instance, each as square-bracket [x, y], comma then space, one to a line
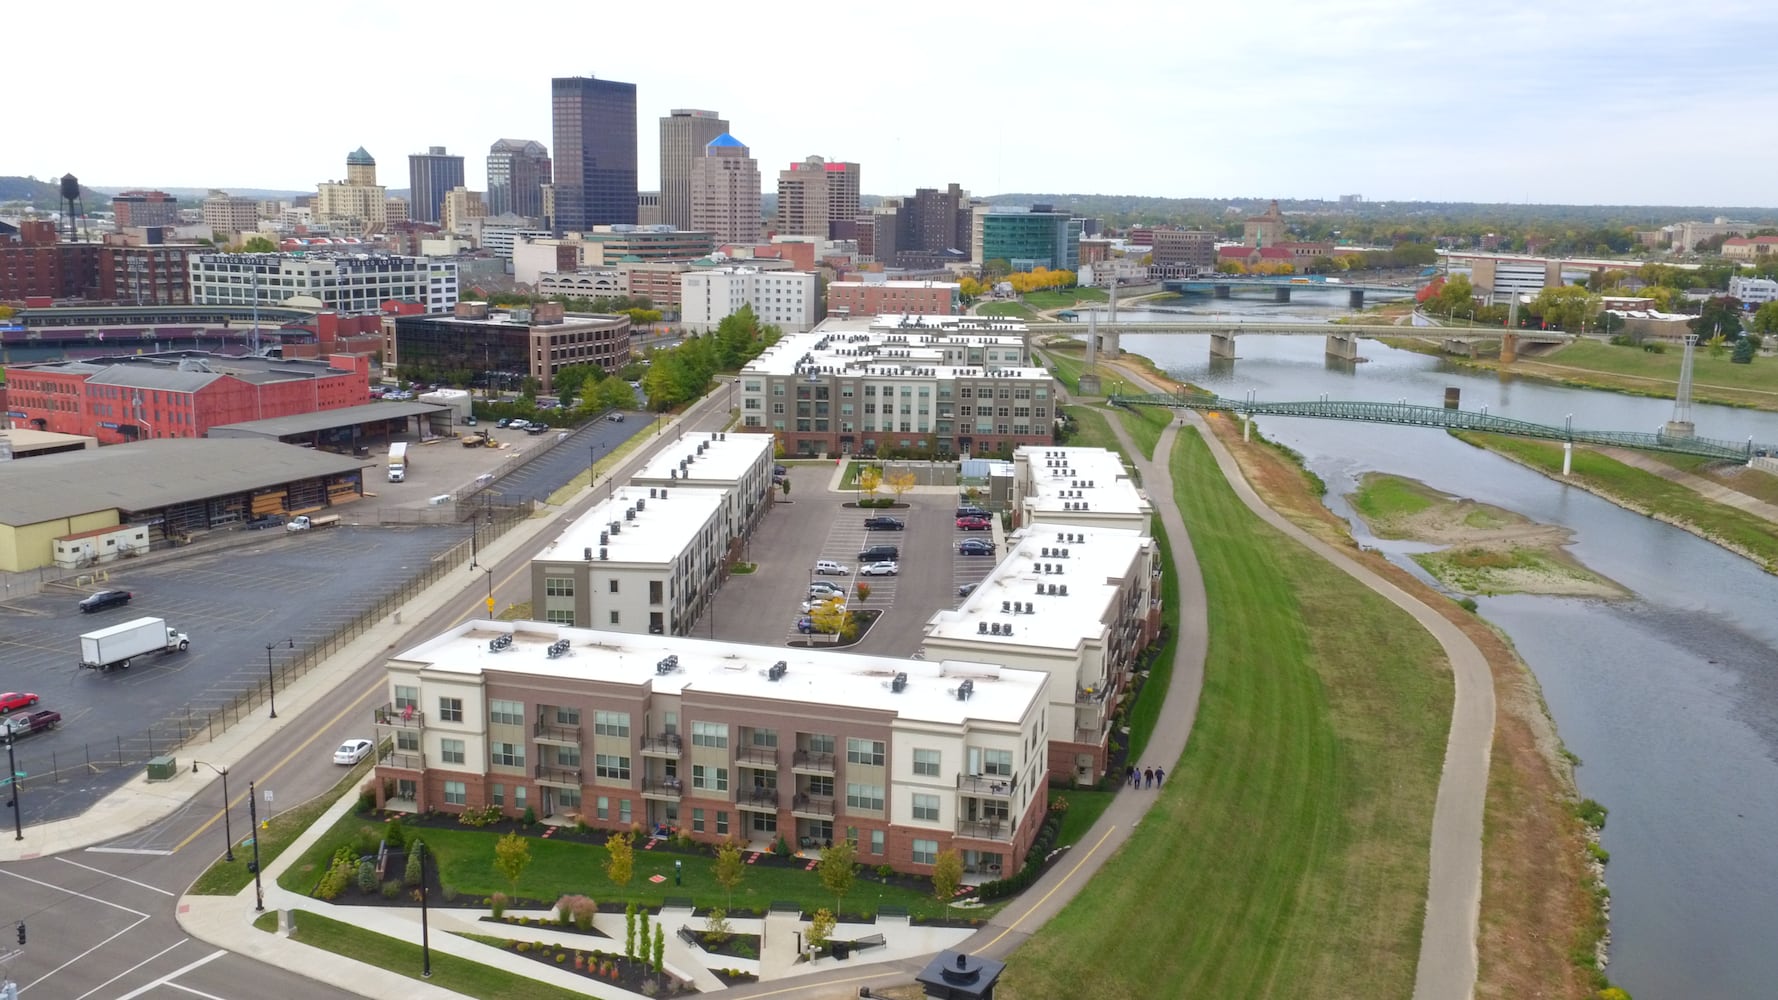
[722, 824]
[876, 841]
[765, 822]
[456, 793]
[602, 809]
[568, 798]
[697, 820]
[925, 852]
[406, 788]
[497, 794]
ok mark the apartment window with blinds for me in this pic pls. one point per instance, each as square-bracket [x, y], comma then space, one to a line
[506, 713]
[926, 808]
[710, 734]
[611, 723]
[926, 763]
[864, 752]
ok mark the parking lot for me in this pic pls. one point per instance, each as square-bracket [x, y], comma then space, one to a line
[232, 602]
[763, 607]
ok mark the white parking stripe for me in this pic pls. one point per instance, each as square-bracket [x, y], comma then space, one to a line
[166, 980]
[120, 878]
[129, 970]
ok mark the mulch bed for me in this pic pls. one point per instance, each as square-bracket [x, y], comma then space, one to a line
[603, 966]
[733, 947]
[513, 921]
[734, 977]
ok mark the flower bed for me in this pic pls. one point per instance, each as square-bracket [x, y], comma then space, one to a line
[607, 967]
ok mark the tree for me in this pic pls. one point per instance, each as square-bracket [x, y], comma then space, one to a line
[620, 859]
[259, 244]
[869, 478]
[1457, 296]
[717, 927]
[630, 930]
[1743, 352]
[838, 867]
[1567, 308]
[821, 928]
[900, 483]
[660, 948]
[1766, 319]
[947, 875]
[830, 616]
[730, 869]
[1721, 316]
[412, 873]
[512, 855]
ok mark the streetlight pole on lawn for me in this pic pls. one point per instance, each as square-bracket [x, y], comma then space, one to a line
[253, 817]
[12, 782]
[271, 680]
[228, 853]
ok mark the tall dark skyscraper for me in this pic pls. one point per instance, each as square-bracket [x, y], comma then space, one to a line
[595, 146]
[684, 135]
[517, 171]
[431, 175]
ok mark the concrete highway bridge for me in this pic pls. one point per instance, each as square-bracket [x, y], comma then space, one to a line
[1342, 338]
[1281, 287]
[1412, 415]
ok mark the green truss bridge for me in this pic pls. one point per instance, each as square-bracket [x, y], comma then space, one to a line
[1412, 415]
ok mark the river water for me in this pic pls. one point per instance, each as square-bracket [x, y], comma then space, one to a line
[1670, 699]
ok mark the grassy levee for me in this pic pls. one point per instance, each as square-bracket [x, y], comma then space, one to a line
[1645, 493]
[1145, 714]
[1287, 855]
[1015, 309]
[459, 975]
[1384, 498]
[1635, 362]
[1065, 297]
[1091, 430]
[1144, 424]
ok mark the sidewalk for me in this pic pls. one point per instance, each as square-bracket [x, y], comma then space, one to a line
[1709, 489]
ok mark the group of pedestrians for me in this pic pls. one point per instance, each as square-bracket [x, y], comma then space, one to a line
[1148, 777]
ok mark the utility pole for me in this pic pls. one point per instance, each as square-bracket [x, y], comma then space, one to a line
[253, 817]
[12, 779]
[425, 926]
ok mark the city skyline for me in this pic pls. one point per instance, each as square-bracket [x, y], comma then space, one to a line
[1520, 103]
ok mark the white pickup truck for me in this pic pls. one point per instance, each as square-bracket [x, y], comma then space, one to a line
[304, 522]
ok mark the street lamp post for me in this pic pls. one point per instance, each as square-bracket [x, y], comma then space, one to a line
[271, 681]
[228, 853]
[490, 577]
[12, 782]
[253, 817]
[425, 924]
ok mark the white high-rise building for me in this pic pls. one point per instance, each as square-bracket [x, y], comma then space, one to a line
[725, 192]
[345, 282]
[785, 299]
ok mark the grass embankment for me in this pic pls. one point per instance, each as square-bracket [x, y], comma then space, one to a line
[1287, 855]
[1064, 297]
[561, 867]
[459, 975]
[1734, 475]
[1145, 715]
[1014, 309]
[1540, 916]
[1643, 492]
[225, 878]
[1091, 429]
[1383, 500]
[1590, 364]
[1144, 424]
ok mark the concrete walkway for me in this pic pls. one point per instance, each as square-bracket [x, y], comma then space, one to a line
[1709, 489]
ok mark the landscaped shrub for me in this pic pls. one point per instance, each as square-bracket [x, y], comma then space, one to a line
[367, 876]
[480, 817]
[395, 834]
[367, 841]
[584, 909]
[530, 816]
[392, 889]
[339, 874]
[565, 910]
[410, 875]
[497, 904]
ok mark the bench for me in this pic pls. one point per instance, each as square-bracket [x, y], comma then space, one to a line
[690, 937]
[869, 941]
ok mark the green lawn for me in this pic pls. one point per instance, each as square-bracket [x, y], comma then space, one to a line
[1144, 424]
[1287, 854]
[1383, 498]
[458, 975]
[1146, 713]
[1091, 429]
[466, 866]
[1065, 297]
[1752, 482]
[1085, 806]
[1014, 309]
[1594, 356]
[225, 878]
[1644, 491]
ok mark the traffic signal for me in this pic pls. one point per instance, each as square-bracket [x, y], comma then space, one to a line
[21, 932]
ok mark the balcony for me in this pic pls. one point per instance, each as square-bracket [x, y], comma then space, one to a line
[669, 789]
[804, 804]
[986, 829]
[403, 759]
[406, 717]
[991, 785]
[750, 756]
[663, 745]
[758, 800]
[1090, 696]
[812, 763]
[547, 733]
[551, 774]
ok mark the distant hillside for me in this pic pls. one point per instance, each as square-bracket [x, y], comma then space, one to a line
[47, 195]
[1122, 209]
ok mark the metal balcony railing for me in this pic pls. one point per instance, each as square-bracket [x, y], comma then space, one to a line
[663, 788]
[813, 805]
[555, 733]
[806, 760]
[406, 717]
[663, 745]
[558, 775]
[999, 786]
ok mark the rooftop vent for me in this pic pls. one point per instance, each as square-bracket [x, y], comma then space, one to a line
[982, 628]
[667, 665]
[1028, 607]
[499, 642]
[965, 689]
[604, 553]
[651, 491]
[629, 514]
[900, 683]
[1064, 592]
[557, 648]
[587, 553]
[778, 671]
[994, 628]
[641, 504]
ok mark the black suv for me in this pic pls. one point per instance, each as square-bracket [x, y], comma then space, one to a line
[880, 553]
[104, 599]
[883, 523]
[970, 510]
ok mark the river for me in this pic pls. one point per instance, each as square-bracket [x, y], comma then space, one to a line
[1670, 699]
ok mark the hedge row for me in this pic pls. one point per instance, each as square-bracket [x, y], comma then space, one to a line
[1034, 863]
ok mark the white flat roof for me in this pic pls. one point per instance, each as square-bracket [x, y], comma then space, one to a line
[847, 345]
[813, 676]
[1097, 562]
[724, 459]
[1095, 476]
[659, 532]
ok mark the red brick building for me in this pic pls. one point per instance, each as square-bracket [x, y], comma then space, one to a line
[893, 298]
[145, 208]
[176, 395]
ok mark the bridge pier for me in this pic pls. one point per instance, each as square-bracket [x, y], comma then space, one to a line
[1343, 346]
[1220, 291]
[1092, 339]
[1355, 299]
[1112, 348]
[1222, 345]
[1280, 294]
[1462, 347]
[1509, 348]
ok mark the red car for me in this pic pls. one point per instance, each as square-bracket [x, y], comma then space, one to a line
[13, 700]
[974, 524]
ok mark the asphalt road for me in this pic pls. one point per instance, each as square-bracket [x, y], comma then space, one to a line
[584, 445]
[232, 602]
[102, 921]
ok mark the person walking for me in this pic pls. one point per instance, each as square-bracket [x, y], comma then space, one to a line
[1160, 775]
[1148, 777]
[1130, 775]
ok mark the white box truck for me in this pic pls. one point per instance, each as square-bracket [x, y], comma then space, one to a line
[112, 647]
[398, 462]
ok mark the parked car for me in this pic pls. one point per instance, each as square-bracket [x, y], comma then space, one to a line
[519, 423]
[503, 422]
[537, 429]
[970, 510]
[975, 547]
[967, 589]
[834, 602]
[883, 522]
[779, 470]
[885, 568]
[259, 521]
[352, 751]
[470, 420]
[806, 626]
[12, 701]
[827, 567]
[104, 599]
[974, 524]
[821, 588]
[879, 553]
[616, 418]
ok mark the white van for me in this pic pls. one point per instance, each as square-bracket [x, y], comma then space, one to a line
[827, 567]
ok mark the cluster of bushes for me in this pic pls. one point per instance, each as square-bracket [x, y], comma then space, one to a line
[484, 816]
[1022, 879]
[873, 502]
[576, 910]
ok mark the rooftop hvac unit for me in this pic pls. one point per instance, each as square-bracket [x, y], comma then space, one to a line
[1005, 607]
[778, 671]
[667, 664]
[994, 628]
[900, 683]
[1064, 591]
[557, 648]
[672, 473]
[1007, 630]
[629, 513]
[965, 689]
[499, 643]
[651, 492]
[587, 553]
[981, 628]
[1028, 607]
[604, 554]
[641, 504]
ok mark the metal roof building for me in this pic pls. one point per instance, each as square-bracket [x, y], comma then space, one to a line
[376, 418]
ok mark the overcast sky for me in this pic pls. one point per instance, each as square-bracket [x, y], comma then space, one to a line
[1629, 101]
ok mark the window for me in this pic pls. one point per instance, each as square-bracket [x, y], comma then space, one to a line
[558, 586]
[568, 756]
[559, 616]
[926, 808]
[407, 740]
[926, 763]
[722, 824]
[602, 808]
[451, 751]
[821, 785]
[821, 743]
[997, 762]
[864, 752]
[764, 738]
[568, 798]
[407, 697]
[567, 716]
[876, 841]
[864, 797]
[925, 852]
[497, 794]
[710, 779]
[614, 617]
[654, 591]
[697, 821]
[613, 585]
[507, 754]
[611, 723]
[450, 709]
[710, 734]
[623, 811]
[607, 765]
[506, 713]
[456, 793]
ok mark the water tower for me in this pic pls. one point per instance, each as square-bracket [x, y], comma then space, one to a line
[71, 196]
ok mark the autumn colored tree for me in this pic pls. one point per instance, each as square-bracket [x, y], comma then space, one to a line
[869, 479]
[512, 855]
[900, 483]
[730, 869]
[620, 859]
[838, 868]
[947, 875]
[821, 927]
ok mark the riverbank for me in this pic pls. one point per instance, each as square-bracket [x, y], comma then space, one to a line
[1484, 550]
[1643, 492]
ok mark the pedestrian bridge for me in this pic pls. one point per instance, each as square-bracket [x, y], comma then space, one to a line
[1224, 286]
[1413, 415]
[1341, 338]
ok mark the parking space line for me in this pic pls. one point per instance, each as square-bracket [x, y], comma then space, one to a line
[167, 980]
[120, 878]
[131, 969]
[139, 915]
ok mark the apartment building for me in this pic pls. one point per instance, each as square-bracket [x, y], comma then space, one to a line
[885, 298]
[230, 214]
[1080, 605]
[1077, 487]
[344, 282]
[908, 758]
[740, 465]
[583, 284]
[538, 342]
[145, 208]
[942, 385]
[646, 559]
[785, 299]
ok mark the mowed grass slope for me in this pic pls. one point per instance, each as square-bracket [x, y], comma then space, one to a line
[1287, 855]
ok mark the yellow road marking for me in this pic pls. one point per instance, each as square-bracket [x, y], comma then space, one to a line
[1055, 889]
